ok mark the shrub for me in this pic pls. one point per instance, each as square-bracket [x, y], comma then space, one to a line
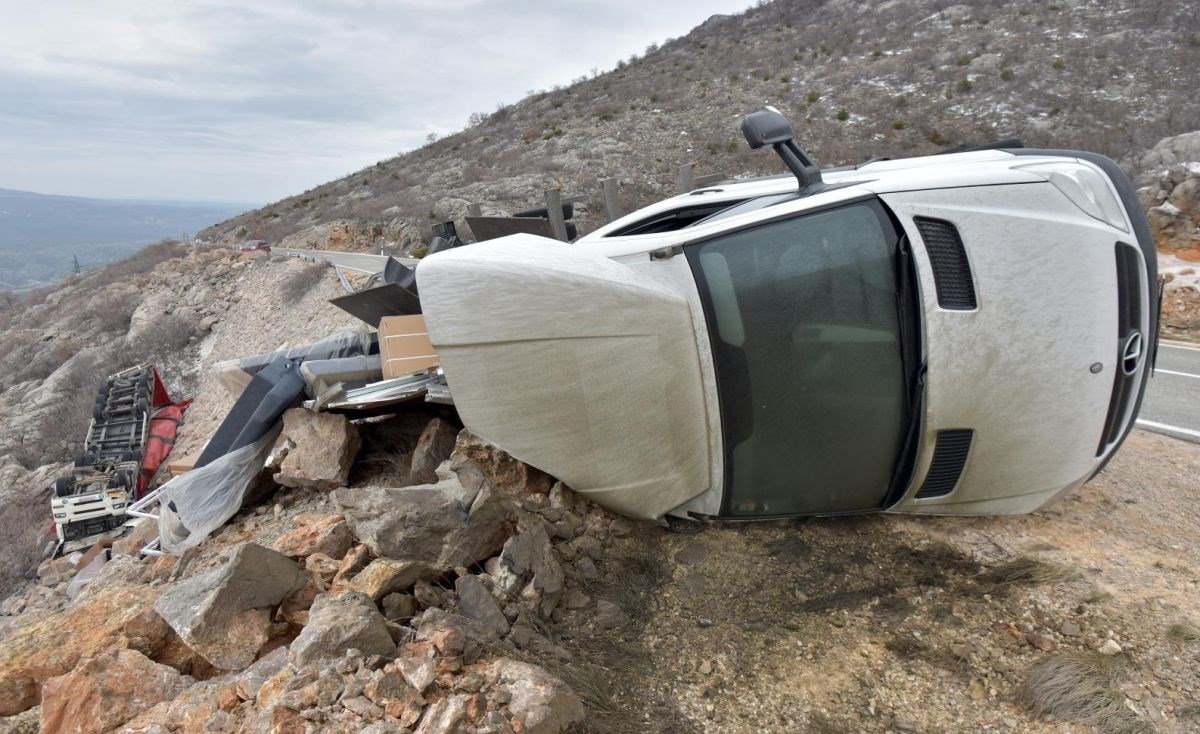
[1059, 63]
[962, 60]
[297, 284]
[937, 138]
[420, 251]
[899, 124]
[1006, 74]
[964, 86]
[843, 115]
[813, 96]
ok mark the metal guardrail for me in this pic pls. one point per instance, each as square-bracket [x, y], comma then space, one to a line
[357, 261]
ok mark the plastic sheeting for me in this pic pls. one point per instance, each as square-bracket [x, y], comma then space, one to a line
[195, 504]
[235, 374]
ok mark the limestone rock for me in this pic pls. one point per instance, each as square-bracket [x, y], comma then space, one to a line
[326, 534]
[447, 716]
[475, 461]
[433, 447]
[443, 524]
[52, 646]
[336, 624]
[322, 447]
[477, 603]
[105, 691]
[541, 703]
[384, 576]
[225, 614]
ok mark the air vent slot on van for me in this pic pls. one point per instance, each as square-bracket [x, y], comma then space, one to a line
[949, 457]
[948, 258]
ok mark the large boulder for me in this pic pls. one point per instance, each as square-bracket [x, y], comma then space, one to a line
[384, 576]
[225, 614]
[433, 447]
[541, 703]
[338, 623]
[475, 461]
[443, 525]
[320, 449]
[115, 616]
[105, 691]
[325, 534]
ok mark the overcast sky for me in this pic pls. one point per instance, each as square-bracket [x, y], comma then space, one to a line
[250, 101]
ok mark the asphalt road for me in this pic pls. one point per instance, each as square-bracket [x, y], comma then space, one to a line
[1172, 403]
[356, 261]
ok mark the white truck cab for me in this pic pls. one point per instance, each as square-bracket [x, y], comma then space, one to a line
[955, 334]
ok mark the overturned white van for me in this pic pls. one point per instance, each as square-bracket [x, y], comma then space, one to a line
[967, 333]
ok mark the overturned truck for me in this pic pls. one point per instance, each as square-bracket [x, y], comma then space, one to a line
[119, 455]
[965, 333]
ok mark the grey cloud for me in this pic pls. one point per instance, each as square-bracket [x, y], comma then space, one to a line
[225, 100]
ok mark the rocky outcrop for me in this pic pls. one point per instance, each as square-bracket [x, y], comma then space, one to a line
[1172, 202]
[320, 449]
[225, 614]
[105, 691]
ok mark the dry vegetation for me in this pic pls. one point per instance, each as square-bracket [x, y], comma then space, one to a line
[858, 80]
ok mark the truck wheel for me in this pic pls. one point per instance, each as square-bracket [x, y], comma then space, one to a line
[82, 460]
[142, 405]
[98, 411]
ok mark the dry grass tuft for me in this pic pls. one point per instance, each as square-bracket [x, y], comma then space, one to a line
[1189, 711]
[1080, 687]
[819, 723]
[792, 548]
[914, 648]
[296, 285]
[1023, 571]
[1183, 634]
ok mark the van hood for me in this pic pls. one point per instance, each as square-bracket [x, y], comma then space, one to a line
[574, 364]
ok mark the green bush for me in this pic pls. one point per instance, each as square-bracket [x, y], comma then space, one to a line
[899, 124]
[962, 60]
[1059, 64]
[1006, 74]
[813, 96]
[964, 86]
[843, 115]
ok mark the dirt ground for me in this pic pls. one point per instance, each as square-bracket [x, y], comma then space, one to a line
[885, 623]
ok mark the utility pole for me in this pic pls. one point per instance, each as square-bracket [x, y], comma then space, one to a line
[76, 257]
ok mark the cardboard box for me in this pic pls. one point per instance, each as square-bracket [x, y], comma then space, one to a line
[405, 347]
[183, 464]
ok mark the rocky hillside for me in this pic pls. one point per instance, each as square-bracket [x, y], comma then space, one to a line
[857, 78]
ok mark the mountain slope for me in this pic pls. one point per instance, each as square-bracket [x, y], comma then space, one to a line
[857, 78]
[41, 234]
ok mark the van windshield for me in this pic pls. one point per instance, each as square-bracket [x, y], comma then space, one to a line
[806, 339]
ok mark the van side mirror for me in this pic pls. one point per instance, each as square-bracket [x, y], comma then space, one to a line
[768, 126]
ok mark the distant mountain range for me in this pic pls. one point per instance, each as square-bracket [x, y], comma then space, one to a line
[41, 235]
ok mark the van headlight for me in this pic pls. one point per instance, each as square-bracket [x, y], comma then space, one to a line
[1087, 189]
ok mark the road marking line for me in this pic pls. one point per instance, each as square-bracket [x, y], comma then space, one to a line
[1173, 345]
[1179, 374]
[1166, 428]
